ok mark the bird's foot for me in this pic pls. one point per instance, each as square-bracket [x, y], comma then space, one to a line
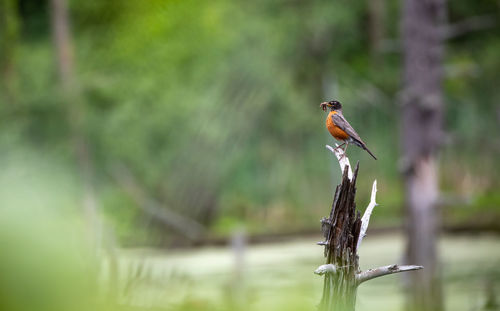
[339, 147]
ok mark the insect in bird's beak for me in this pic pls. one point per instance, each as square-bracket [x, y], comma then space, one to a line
[324, 105]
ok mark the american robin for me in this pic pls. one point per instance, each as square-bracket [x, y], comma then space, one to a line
[340, 129]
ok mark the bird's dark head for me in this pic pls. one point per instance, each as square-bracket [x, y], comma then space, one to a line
[333, 105]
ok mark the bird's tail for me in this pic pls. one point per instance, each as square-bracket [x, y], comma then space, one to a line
[364, 147]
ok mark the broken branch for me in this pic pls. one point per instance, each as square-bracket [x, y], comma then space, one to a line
[381, 271]
[368, 212]
[323, 269]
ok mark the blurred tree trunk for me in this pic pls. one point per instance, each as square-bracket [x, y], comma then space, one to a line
[63, 43]
[9, 34]
[422, 114]
[76, 113]
[376, 11]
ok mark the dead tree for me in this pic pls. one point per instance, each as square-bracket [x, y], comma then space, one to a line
[344, 230]
[183, 225]
[421, 116]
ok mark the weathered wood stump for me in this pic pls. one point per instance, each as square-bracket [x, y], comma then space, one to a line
[344, 230]
[341, 230]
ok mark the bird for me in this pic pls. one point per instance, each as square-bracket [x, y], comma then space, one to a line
[340, 129]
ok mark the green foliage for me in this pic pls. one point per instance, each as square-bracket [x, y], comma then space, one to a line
[213, 105]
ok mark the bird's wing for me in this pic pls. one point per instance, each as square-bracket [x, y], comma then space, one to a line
[339, 120]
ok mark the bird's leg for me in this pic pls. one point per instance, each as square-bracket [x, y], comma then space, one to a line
[345, 148]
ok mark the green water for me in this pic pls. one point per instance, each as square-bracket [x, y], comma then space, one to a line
[280, 275]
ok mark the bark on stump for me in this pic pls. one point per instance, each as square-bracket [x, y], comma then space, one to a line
[341, 231]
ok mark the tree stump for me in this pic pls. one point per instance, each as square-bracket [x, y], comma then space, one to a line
[341, 231]
[344, 230]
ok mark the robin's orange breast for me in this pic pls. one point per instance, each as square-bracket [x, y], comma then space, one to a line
[336, 131]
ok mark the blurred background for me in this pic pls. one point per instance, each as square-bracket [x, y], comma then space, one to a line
[169, 155]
